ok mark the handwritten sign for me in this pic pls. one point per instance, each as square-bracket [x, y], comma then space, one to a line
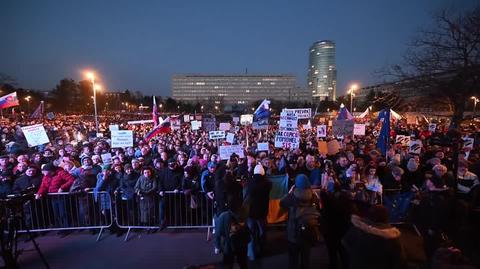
[186, 118]
[226, 151]
[122, 139]
[359, 129]
[246, 119]
[196, 125]
[35, 135]
[216, 135]
[224, 126]
[230, 138]
[302, 113]
[287, 139]
[106, 158]
[321, 131]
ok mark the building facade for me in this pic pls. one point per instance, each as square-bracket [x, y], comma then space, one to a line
[241, 89]
[322, 71]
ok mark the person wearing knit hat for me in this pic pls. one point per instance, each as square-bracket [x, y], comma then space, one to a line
[259, 170]
[302, 203]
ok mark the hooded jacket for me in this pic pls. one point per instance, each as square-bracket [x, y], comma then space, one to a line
[373, 245]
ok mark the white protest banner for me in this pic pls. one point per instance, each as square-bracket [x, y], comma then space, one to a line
[302, 113]
[106, 158]
[321, 131]
[186, 118]
[122, 139]
[139, 121]
[287, 139]
[246, 119]
[468, 142]
[113, 127]
[236, 120]
[359, 129]
[343, 127]
[288, 120]
[262, 146]
[432, 127]
[403, 139]
[415, 146]
[35, 135]
[226, 151]
[196, 125]
[230, 138]
[224, 126]
[216, 135]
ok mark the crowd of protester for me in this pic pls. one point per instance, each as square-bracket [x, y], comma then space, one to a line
[358, 191]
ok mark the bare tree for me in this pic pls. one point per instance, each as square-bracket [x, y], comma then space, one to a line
[445, 60]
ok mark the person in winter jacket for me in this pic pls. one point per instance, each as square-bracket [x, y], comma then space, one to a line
[125, 194]
[300, 196]
[32, 178]
[372, 243]
[145, 190]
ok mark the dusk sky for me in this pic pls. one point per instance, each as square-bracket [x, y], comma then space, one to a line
[139, 45]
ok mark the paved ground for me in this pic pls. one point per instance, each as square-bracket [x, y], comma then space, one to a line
[167, 249]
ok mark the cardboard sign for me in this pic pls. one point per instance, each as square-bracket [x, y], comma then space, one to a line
[432, 127]
[321, 131]
[122, 139]
[403, 139]
[113, 127]
[415, 146]
[230, 138]
[106, 158]
[322, 147]
[468, 143]
[196, 125]
[35, 135]
[246, 119]
[186, 118]
[411, 119]
[333, 147]
[343, 127]
[287, 139]
[226, 151]
[216, 135]
[224, 126]
[359, 129]
[262, 146]
[302, 113]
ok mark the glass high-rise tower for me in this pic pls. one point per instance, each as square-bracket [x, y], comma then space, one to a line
[322, 71]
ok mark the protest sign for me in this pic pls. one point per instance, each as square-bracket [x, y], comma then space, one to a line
[106, 158]
[196, 125]
[403, 139]
[186, 118]
[301, 113]
[230, 138]
[343, 127]
[333, 147]
[468, 143]
[236, 120]
[262, 146]
[415, 146]
[322, 147]
[175, 123]
[246, 119]
[321, 131]
[226, 151]
[287, 135]
[50, 116]
[224, 126]
[209, 124]
[216, 135]
[359, 129]
[35, 135]
[113, 127]
[432, 127]
[122, 139]
[288, 120]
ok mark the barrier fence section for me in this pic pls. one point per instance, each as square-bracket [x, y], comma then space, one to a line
[68, 211]
[172, 210]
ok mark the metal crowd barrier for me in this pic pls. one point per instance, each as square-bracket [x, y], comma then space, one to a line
[68, 211]
[172, 210]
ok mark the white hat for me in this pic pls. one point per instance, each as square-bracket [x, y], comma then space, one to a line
[258, 170]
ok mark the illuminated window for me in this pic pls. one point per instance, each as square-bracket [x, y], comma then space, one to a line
[199, 83]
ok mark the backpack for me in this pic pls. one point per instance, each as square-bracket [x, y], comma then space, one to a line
[307, 232]
[238, 235]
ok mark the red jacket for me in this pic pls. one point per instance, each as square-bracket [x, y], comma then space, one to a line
[60, 179]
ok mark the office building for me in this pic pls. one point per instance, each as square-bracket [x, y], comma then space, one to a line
[322, 72]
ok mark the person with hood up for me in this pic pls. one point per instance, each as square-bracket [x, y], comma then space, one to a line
[299, 199]
[372, 243]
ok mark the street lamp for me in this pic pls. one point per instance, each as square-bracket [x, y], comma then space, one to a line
[28, 103]
[353, 87]
[475, 101]
[91, 77]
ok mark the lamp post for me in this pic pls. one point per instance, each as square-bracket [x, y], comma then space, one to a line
[91, 77]
[352, 94]
[475, 101]
[28, 103]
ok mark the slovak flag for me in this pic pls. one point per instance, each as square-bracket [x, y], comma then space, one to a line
[163, 127]
[9, 100]
[155, 113]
